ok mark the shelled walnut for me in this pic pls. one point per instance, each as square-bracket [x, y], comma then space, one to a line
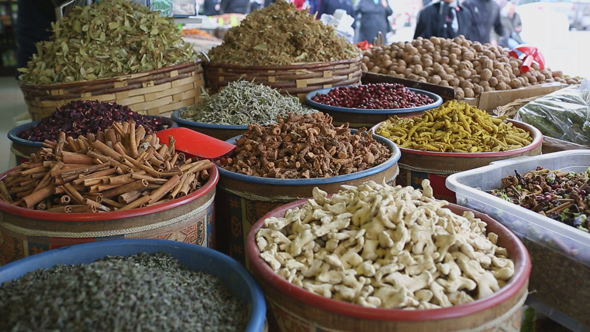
[304, 146]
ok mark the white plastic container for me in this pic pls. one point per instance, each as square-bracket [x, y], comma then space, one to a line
[560, 279]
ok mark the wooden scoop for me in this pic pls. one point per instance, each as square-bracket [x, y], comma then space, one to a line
[195, 144]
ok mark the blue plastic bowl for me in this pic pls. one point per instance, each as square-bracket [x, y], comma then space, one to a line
[396, 154]
[13, 134]
[437, 102]
[240, 282]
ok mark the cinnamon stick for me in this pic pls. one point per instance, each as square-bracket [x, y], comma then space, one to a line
[132, 141]
[112, 203]
[61, 209]
[76, 158]
[39, 169]
[97, 205]
[4, 191]
[136, 203]
[91, 138]
[185, 178]
[121, 149]
[74, 193]
[38, 196]
[83, 209]
[60, 143]
[110, 135]
[86, 170]
[139, 133]
[149, 170]
[129, 197]
[105, 150]
[139, 176]
[164, 189]
[65, 199]
[125, 188]
[95, 175]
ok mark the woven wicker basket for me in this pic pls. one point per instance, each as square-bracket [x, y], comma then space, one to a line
[296, 79]
[156, 92]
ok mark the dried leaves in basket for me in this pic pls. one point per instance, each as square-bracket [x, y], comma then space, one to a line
[280, 35]
[113, 38]
[242, 103]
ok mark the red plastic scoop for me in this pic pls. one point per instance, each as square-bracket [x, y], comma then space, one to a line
[195, 144]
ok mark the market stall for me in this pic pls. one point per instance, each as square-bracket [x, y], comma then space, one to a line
[404, 187]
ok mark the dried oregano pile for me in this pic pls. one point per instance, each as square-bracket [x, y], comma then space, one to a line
[135, 293]
[113, 38]
[242, 103]
[279, 35]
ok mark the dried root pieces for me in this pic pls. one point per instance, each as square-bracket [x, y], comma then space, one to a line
[387, 247]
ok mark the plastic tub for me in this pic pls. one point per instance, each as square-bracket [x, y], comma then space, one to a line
[416, 165]
[243, 199]
[25, 232]
[560, 279]
[359, 118]
[222, 132]
[239, 282]
[23, 148]
[296, 309]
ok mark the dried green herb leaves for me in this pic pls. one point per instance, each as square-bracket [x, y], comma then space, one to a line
[279, 35]
[113, 38]
[242, 103]
[136, 293]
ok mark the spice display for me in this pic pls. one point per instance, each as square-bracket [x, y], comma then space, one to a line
[373, 96]
[280, 35]
[111, 38]
[242, 103]
[563, 196]
[385, 247]
[141, 292]
[469, 67]
[82, 117]
[304, 146]
[120, 169]
[455, 127]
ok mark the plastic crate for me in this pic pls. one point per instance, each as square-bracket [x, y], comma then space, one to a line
[560, 279]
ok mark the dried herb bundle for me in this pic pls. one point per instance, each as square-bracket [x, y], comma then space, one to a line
[242, 103]
[135, 293]
[279, 35]
[113, 38]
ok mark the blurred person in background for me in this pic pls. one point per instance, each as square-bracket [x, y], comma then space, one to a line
[329, 7]
[373, 18]
[446, 19]
[512, 26]
[234, 7]
[486, 15]
[210, 8]
[33, 26]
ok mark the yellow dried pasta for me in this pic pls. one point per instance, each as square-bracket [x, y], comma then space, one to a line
[455, 127]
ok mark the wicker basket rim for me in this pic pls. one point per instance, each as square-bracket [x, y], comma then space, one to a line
[54, 86]
[297, 65]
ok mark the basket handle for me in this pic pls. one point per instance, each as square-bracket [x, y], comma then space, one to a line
[205, 55]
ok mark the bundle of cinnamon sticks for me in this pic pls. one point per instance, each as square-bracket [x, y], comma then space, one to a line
[119, 169]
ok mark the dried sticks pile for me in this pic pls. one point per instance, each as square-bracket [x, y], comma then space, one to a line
[118, 169]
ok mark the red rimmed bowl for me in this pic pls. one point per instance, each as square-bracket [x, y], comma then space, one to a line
[296, 309]
[190, 219]
[416, 165]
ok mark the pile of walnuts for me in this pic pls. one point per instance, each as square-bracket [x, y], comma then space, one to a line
[304, 146]
[469, 67]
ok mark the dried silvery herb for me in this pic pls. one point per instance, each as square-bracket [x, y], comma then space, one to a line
[242, 103]
[135, 293]
[113, 38]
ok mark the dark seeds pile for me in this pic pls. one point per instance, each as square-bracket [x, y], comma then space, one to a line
[136, 293]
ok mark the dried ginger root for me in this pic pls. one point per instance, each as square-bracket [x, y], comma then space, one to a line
[387, 247]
